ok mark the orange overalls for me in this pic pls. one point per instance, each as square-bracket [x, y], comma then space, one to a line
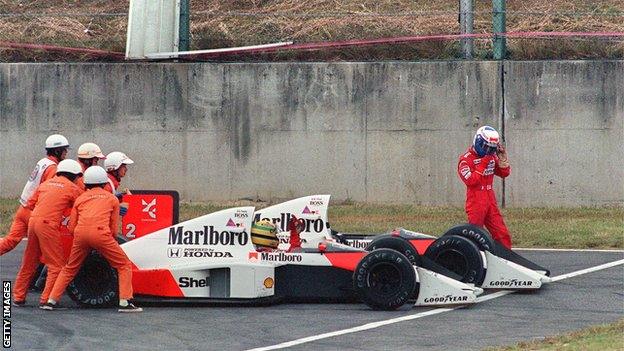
[94, 224]
[113, 184]
[48, 204]
[19, 227]
[80, 180]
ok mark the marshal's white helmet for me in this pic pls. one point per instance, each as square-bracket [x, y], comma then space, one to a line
[69, 166]
[95, 175]
[56, 140]
[115, 159]
[90, 150]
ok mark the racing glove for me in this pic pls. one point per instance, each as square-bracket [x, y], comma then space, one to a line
[503, 161]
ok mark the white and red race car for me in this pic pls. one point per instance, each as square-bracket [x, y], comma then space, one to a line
[211, 259]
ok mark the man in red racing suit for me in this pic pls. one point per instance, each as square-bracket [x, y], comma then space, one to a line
[477, 168]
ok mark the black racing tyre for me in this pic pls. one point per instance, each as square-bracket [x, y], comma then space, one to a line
[398, 244]
[384, 279]
[459, 255]
[121, 239]
[38, 281]
[480, 236]
[95, 285]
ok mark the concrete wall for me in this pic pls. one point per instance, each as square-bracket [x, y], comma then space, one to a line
[376, 132]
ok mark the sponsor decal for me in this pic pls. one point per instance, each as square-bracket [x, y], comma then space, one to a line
[207, 236]
[476, 237]
[280, 257]
[34, 173]
[231, 223]
[149, 208]
[241, 214]
[465, 172]
[190, 282]
[173, 253]
[358, 243]
[268, 283]
[316, 201]
[197, 253]
[490, 168]
[307, 210]
[476, 161]
[511, 283]
[285, 239]
[311, 225]
[274, 257]
[6, 314]
[446, 299]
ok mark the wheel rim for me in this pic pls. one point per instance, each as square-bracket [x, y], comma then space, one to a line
[384, 279]
[454, 261]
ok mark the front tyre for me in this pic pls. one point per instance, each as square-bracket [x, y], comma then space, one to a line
[459, 255]
[95, 285]
[384, 279]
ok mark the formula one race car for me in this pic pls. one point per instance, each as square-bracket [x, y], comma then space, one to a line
[211, 259]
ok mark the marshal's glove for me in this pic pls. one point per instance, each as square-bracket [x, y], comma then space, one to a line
[123, 209]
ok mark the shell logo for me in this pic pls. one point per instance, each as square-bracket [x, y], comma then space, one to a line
[268, 283]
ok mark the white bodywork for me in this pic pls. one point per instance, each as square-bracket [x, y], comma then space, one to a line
[504, 274]
[206, 251]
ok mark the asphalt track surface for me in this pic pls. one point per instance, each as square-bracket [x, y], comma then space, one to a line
[566, 305]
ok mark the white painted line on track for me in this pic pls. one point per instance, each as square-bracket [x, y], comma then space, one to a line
[587, 270]
[423, 314]
[566, 250]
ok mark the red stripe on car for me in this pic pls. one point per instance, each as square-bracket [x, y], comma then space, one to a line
[345, 260]
[155, 282]
[421, 245]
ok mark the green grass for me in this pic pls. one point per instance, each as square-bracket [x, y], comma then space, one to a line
[609, 337]
[530, 227]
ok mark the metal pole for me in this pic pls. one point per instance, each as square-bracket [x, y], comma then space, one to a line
[466, 21]
[498, 23]
[185, 25]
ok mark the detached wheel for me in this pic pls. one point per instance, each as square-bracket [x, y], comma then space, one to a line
[95, 285]
[384, 279]
[459, 255]
[477, 235]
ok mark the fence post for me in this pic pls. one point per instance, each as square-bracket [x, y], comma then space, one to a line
[498, 23]
[185, 19]
[466, 21]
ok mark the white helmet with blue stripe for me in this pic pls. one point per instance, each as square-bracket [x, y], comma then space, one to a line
[485, 141]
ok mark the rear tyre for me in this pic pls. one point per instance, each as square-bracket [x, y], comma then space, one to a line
[95, 285]
[398, 244]
[477, 235]
[384, 279]
[459, 255]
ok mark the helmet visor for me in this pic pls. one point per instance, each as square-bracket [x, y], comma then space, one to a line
[490, 150]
